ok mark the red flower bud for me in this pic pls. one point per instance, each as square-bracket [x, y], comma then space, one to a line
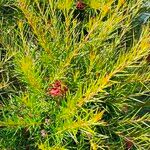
[148, 58]
[57, 83]
[80, 5]
[129, 144]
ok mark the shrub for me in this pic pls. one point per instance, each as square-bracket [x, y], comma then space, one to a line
[81, 76]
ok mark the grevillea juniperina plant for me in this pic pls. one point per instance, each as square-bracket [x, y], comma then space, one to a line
[74, 75]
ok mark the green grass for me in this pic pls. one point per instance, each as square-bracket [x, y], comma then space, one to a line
[99, 55]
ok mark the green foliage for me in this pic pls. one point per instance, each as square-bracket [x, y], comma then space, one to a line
[96, 54]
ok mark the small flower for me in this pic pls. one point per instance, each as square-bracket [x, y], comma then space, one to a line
[80, 5]
[57, 83]
[129, 144]
[47, 121]
[43, 133]
[57, 89]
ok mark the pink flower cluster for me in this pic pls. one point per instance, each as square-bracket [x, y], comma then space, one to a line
[57, 89]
